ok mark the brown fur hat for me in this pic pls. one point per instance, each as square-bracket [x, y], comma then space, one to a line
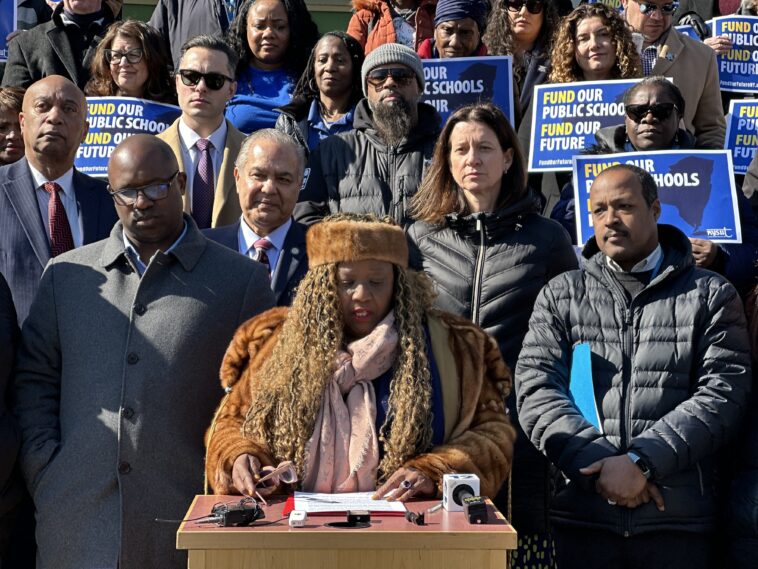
[345, 238]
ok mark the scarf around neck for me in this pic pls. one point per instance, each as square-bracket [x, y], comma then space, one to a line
[342, 454]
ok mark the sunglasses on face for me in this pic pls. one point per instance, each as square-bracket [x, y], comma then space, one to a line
[532, 6]
[660, 111]
[214, 81]
[132, 56]
[401, 76]
[153, 192]
[666, 9]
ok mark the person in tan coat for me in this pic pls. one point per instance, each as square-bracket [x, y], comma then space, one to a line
[361, 384]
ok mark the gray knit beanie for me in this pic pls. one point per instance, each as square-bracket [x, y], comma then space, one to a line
[393, 53]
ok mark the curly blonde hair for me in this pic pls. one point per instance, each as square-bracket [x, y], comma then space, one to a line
[564, 67]
[302, 364]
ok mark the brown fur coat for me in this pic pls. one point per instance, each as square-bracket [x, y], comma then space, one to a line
[479, 441]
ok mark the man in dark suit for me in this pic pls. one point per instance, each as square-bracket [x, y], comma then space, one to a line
[63, 46]
[269, 175]
[46, 206]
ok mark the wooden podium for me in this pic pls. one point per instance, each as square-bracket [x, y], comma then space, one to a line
[447, 541]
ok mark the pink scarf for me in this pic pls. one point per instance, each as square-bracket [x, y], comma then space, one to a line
[343, 451]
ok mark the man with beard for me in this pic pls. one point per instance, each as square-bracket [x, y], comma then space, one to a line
[377, 167]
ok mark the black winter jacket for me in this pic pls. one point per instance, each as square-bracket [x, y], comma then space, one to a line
[671, 375]
[489, 267]
[356, 172]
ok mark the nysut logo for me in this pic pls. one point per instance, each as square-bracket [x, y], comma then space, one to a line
[724, 232]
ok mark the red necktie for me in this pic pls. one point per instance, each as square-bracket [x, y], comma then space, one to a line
[61, 239]
[261, 246]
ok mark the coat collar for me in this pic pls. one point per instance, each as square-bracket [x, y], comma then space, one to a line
[188, 252]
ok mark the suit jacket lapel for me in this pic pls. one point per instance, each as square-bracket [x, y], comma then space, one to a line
[89, 207]
[20, 190]
[292, 255]
[226, 187]
[62, 47]
[673, 47]
[171, 137]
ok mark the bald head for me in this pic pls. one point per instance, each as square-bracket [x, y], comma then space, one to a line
[53, 123]
[141, 152]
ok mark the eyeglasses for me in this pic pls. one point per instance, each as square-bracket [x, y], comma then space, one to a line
[532, 6]
[666, 9]
[133, 56]
[285, 473]
[660, 111]
[214, 81]
[153, 192]
[401, 76]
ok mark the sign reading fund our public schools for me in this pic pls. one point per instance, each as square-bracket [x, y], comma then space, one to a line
[566, 117]
[738, 68]
[696, 189]
[111, 120]
[454, 82]
[742, 133]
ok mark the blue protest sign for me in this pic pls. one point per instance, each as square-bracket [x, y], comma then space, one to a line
[742, 133]
[688, 31]
[111, 120]
[7, 25]
[454, 82]
[696, 189]
[567, 116]
[738, 68]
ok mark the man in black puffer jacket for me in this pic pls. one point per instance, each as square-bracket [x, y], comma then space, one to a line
[670, 375]
[377, 167]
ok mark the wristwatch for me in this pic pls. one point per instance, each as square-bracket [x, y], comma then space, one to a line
[641, 464]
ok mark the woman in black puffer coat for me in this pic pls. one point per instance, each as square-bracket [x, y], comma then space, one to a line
[480, 237]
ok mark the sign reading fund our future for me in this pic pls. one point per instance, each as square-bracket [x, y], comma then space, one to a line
[742, 133]
[566, 117]
[111, 120]
[454, 82]
[696, 189]
[7, 25]
[738, 68]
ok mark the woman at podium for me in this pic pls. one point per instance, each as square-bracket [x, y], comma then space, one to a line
[361, 383]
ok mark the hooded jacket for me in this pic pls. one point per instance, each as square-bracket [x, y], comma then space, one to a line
[357, 172]
[670, 375]
[490, 267]
[372, 26]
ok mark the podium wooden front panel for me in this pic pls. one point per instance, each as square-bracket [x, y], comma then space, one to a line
[391, 542]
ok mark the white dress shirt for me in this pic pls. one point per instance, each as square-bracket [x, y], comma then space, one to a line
[68, 198]
[246, 237]
[649, 263]
[190, 154]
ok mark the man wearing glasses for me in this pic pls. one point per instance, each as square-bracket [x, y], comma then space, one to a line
[117, 378]
[690, 64]
[378, 166]
[204, 142]
[63, 46]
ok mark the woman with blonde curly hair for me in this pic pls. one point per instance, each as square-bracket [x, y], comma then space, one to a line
[593, 43]
[361, 383]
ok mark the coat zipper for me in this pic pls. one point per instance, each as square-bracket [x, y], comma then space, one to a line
[394, 199]
[477, 289]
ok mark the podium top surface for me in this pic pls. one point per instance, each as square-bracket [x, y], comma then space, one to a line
[444, 530]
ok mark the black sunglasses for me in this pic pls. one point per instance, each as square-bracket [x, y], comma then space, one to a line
[132, 56]
[153, 192]
[400, 75]
[532, 6]
[666, 9]
[214, 81]
[660, 111]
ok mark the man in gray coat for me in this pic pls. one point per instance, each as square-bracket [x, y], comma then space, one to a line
[117, 374]
[634, 373]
